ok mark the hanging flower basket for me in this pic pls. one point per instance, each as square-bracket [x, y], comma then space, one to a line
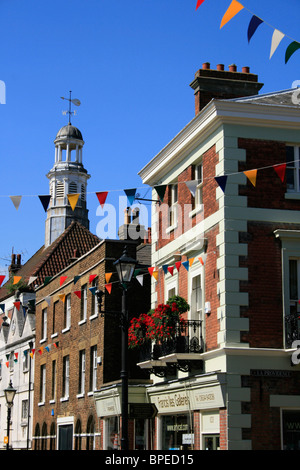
[162, 324]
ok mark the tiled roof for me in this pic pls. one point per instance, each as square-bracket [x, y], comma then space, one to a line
[51, 260]
[278, 98]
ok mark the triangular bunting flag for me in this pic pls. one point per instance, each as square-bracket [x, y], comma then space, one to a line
[191, 260]
[47, 348]
[1, 279]
[151, 270]
[251, 175]
[199, 2]
[62, 297]
[130, 193]
[140, 279]
[16, 201]
[136, 272]
[276, 39]
[221, 180]
[56, 344]
[186, 264]
[165, 268]
[16, 355]
[45, 201]
[253, 25]
[107, 277]
[48, 299]
[41, 350]
[161, 191]
[192, 185]
[47, 280]
[7, 356]
[293, 47]
[102, 195]
[171, 269]
[73, 198]
[108, 287]
[76, 278]
[17, 305]
[178, 264]
[2, 306]
[280, 170]
[7, 364]
[62, 279]
[155, 275]
[17, 279]
[92, 277]
[78, 293]
[32, 279]
[234, 8]
[202, 259]
[93, 290]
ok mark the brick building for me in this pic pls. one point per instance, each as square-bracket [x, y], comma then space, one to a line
[229, 229]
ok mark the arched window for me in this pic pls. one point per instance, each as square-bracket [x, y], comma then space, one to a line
[78, 435]
[37, 435]
[90, 433]
[44, 437]
[52, 436]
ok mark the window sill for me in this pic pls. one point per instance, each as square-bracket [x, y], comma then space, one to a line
[64, 399]
[92, 317]
[171, 228]
[196, 211]
[65, 330]
[90, 394]
[292, 196]
[80, 395]
[82, 322]
[54, 335]
[41, 403]
[51, 402]
[43, 340]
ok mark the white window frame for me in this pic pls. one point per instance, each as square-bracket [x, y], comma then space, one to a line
[42, 384]
[67, 313]
[44, 324]
[295, 168]
[173, 207]
[83, 306]
[82, 363]
[93, 369]
[66, 378]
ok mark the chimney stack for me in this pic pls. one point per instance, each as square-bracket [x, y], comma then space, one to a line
[211, 84]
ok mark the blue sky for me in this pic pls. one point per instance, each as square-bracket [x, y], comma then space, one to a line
[130, 62]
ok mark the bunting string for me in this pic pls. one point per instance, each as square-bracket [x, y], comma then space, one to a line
[235, 7]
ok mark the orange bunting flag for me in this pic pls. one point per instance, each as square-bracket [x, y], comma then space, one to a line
[78, 293]
[155, 275]
[107, 277]
[17, 279]
[73, 198]
[234, 8]
[62, 279]
[41, 350]
[92, 277]
[251, 175]
[62, 297]
[191, 260]
[108, 287]
[280, 170]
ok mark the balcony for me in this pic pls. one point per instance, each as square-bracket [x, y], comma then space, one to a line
[292, 327]
[181, 351]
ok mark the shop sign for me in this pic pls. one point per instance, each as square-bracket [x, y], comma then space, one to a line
[188, 439]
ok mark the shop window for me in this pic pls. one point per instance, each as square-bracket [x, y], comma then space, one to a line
[140, 434]
[291, 429]
[177, 432]
[112, 428]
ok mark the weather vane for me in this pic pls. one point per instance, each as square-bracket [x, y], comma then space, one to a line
[74, 101]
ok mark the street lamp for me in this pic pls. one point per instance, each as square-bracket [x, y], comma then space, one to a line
[9, 396]
[125, 268]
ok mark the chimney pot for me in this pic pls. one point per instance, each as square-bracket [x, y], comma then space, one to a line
[19, 260]
[232, 68]
[246, 69]
[206, 66]
[220, 67]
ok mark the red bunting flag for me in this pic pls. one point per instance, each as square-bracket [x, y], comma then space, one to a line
[178, 264]
[78, 293]
[1, 279]
[102, 195]
[151, 271]
[171, 269]
[108, 287]
[17, 305]
[62, 279]
[92, 277]
[280, 170]
[199, 2]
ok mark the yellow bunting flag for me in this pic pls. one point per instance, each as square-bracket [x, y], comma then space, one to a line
[155, 275]
[62, 297]
[251, 175]
[234, 8]
[73, 198]
[107, 277]
[17, 279]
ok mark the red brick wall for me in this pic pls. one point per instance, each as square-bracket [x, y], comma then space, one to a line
[211, 279]
[223, 429]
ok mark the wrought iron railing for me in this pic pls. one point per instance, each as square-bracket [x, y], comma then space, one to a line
[292, 327]
[187, 339]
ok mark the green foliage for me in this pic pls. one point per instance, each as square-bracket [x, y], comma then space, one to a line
[181, 303]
